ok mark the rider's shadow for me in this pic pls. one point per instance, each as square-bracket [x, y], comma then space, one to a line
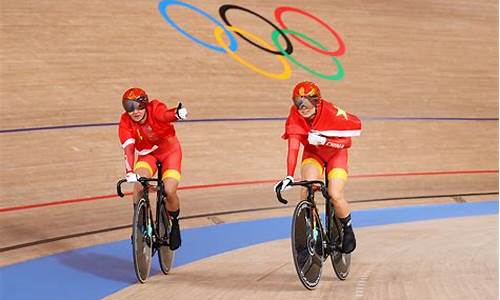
[102, 265]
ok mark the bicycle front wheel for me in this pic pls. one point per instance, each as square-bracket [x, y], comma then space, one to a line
[307, 244]
[165, 255]
[142, 232]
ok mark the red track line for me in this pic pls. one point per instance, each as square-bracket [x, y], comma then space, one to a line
[206, 186]
[424, 173]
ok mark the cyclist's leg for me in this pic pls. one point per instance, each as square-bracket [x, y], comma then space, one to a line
[171, 183]
[336, 185]
[144, 167]
[337, 179]
[311, 169]
[171, 160]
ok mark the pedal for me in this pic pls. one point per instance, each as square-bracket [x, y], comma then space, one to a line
[332, 248]
[163, 241]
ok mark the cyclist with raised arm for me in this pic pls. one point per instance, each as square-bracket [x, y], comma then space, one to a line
[145, 129]
[325, 131]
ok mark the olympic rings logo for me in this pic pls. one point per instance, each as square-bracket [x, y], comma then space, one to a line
[228, 29]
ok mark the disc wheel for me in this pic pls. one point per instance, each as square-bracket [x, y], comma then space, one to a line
[341, 261]
[142, 241]
[307, 244]
[165, 255]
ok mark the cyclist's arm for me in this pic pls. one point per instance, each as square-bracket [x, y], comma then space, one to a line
[339, 142]
[165, 115]
[128, 144]
[293, 153]
[129, 151]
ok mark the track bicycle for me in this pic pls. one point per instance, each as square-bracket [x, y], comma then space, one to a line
[311, 242]
[150, 236]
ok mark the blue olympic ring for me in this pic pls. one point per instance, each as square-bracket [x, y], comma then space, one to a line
[162, 7]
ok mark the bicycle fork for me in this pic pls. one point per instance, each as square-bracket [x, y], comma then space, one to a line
[147, 230]
[315, 231]
[314, 225]
[329, 242]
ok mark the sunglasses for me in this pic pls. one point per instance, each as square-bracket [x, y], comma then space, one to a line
[131, 105]
[302, 102]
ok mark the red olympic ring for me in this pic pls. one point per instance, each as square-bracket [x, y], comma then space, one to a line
[280, 10]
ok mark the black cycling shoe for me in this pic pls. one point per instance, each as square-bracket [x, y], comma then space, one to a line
[175, 236]
[349, 241]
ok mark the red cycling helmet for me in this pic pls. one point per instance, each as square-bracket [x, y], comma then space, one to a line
[134, 98]
[308, 90]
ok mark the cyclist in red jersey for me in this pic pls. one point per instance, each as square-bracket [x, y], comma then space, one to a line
[145, 129]
[325, 131]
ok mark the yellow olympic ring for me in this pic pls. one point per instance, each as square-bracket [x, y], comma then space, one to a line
[287, 72]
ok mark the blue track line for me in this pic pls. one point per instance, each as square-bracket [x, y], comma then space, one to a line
[98, 271]
[243, 120]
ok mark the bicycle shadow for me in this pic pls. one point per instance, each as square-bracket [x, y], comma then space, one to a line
[102, 266]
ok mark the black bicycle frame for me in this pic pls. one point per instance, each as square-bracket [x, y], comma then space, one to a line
[329, 216]
[326, 233]
[160, 193]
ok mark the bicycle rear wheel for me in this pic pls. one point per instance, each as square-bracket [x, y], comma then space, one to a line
[341, 261]
[142, 241]
[307, 244]
[165, 255]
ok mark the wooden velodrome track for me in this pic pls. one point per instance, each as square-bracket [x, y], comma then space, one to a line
[422, 75]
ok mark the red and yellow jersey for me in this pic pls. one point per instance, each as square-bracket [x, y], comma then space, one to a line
[331, 122]
[146, 138]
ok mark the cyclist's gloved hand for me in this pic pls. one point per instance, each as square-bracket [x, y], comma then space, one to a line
[132, 177]
[316, 139]
[181, 112]
[284, 184]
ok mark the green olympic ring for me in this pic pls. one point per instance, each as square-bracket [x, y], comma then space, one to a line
[340, 69]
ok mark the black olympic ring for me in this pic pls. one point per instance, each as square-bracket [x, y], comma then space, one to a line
[222, 12]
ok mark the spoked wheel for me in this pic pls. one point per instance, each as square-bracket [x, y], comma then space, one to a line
[341, 261]
[142, 231]
[165, 255]
[307, 244]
